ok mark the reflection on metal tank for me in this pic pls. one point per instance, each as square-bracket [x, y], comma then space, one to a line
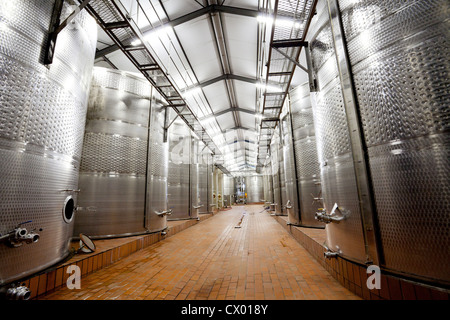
[208, 161]
[268, 183]
[333, 142]
[229, 189]
[157, 168]
[43, 110]
[291, 205]
[214, 179]
[194, 178]
[254, 188]
[219, 189]
[276, 161]
[307, 163]
[204, 179]
[398, 52]
[114, 157]
[282, 174]
[179, 169]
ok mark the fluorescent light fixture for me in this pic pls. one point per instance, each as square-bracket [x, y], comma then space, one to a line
[157, 32]
[192, 91]
[136, 42]
[268, 87]
[264, 18]
[279, 21]
[207, 121]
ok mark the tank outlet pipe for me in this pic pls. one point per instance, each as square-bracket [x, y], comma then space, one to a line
[322, 215]
[18, 236]
[16, 293]
[288, 205]
[164, 213]
[331, 254]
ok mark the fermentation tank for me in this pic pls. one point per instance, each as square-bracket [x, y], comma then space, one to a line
[282, 173]
[42, 117]
[398, 52]
[204, 179]
[276, 161]
[157, 167]
[207, 190]
[339, 185]
[290, 174]
[254, 188]
[194, 177]
[268, 182]
[307, 163]
[179, 169]
[220, 188]
[228, 189]
[114, 157]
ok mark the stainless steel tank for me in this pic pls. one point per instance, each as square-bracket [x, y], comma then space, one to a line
[179, 170]
[229, 189]
[337, 170]
[268, 182]
[204, 180]
[290, 174]
[194, 177]
[156, 207]
[208, 169]
[307, 163]
[254, 188]
[276, 162]
[43, 111]
[220, 188]
[398, 53]
[282, 174]
[113, 170]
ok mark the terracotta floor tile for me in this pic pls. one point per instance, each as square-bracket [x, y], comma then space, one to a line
[216, 261]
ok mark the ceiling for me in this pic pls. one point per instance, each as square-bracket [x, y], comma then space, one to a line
[221, 58]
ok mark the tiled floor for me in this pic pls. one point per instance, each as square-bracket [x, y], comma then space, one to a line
[215, 260]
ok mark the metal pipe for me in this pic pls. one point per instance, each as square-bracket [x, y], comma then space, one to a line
[322, 215]
[18, 236]
[330, 254]
[17, 293]
[164, 213]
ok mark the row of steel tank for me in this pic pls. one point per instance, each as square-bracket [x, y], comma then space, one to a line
[84, 149]
[371, 140]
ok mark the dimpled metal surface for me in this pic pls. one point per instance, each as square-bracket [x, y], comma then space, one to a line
[114, 157]
[307, 163]
[178, 181]
[254, 188]
[290, 172]
[398, 51]
[42, 117]
[337, 172]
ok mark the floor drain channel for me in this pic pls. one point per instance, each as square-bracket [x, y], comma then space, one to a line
[240, 221]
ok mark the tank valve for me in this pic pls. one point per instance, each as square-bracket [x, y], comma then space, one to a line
[322, 215]
[288, 205]
[19, 236]
[16, 293]
[164, 213]
[331, 254]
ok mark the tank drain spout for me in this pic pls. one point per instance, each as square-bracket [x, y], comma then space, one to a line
[322, 215]
[19, 236]
[330, 254]
[16, 293]
[164, 213]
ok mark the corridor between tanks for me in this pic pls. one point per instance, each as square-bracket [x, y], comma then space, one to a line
[241, 254]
